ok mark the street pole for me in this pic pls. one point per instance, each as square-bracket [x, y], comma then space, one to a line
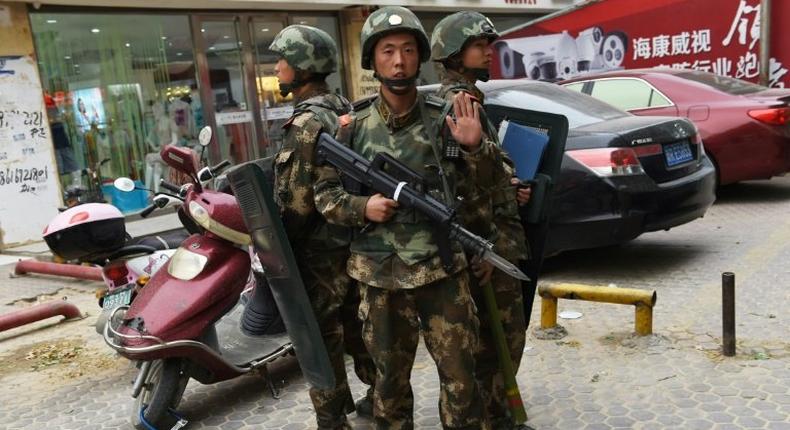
[765, 42]
[728, 313]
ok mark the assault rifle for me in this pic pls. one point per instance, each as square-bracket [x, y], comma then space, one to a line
[404, 186]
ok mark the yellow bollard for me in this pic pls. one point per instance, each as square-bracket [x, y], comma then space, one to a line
[643, 300]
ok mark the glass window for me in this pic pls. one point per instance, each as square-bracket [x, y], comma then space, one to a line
[576, 86]
[623, 93]
[120, 86]
[232, 114]
[657, 100]
[580, 109]
[722, 83]
[628, 94]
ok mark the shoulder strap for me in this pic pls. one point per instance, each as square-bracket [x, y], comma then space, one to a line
[433, 135]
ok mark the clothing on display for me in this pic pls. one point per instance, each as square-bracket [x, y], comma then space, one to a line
[165, 132]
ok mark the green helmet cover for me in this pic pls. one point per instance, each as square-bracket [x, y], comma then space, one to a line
[387, 20]
[306, 48]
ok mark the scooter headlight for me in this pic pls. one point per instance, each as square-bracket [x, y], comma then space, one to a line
[185, 265]
[199, 214]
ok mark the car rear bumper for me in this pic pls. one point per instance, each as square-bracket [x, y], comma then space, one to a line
[661, 207]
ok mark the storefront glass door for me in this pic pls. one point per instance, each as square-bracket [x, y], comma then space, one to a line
[238, 83]
[274, 108]
[224, 87]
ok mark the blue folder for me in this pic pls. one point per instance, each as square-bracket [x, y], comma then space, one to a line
[525, 146]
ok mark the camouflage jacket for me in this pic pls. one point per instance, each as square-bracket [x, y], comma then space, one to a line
[490, 211]
[402, 252]
[295, 174]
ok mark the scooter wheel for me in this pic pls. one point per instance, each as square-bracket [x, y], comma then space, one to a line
[162, 391]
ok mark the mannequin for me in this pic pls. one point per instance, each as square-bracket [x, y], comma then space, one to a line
[164, 132]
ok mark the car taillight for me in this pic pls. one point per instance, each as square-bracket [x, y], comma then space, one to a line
[696, 139]
[609, 161]
[774, 116]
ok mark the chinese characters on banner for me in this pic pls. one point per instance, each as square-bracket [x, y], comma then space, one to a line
[718, 36]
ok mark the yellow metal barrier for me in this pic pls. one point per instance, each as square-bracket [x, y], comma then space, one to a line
[643, 300]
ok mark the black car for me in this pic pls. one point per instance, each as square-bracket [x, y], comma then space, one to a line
[622, 175]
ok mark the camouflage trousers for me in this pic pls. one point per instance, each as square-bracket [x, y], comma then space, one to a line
[509, 298]
[392, 322]
[335, 299]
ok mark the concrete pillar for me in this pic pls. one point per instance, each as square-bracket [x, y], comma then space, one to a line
[31, 190]
[15, 35]
[359, 82]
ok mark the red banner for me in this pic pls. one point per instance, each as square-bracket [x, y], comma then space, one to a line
[719, 36]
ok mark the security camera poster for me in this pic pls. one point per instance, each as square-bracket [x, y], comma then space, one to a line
[718, 36]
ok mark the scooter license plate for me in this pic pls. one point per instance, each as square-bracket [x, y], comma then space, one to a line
[117, 298]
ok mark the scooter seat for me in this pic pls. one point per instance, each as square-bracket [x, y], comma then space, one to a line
[161, 242]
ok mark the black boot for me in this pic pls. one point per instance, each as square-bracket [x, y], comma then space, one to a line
[364, 406]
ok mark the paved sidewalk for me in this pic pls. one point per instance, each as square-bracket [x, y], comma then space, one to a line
[598, 377]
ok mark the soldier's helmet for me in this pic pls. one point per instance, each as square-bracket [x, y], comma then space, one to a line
[391, 19]
[306, 48]
[451, 33]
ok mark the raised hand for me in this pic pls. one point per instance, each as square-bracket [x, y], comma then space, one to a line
[466, 129]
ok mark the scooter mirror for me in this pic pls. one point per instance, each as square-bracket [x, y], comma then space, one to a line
[204, 138]
[124, 184]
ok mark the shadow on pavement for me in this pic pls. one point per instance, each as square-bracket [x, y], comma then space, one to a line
[214, 402]
[774, 191]
[623, 261]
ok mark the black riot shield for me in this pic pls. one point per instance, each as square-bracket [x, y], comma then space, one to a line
[535, 216]
[252, 186]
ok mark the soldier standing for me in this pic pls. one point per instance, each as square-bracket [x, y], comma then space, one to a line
[405, 287]
[307, 56]
[460, 42]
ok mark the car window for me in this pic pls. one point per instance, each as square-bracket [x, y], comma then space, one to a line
[623, 93]
[580, 109]
[658, 100]
[722, 83]
[576, 86]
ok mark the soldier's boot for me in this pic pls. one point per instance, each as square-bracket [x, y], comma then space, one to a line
[333, 423]
[331, 407]
[507, 423]
[364, 406]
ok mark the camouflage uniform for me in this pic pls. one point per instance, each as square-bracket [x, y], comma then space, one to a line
[322, 250]
[405, 289]
[495, 204]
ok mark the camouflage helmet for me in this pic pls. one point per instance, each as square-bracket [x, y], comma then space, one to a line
[391, 19]
[452, 32]
[306, 48]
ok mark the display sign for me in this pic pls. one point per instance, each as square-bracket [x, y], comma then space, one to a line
[28, 177]
[239, 117]
[721, 37]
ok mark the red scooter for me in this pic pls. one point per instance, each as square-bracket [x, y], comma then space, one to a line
[202, 316]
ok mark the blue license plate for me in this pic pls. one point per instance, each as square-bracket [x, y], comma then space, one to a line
[117, 298]
[678, 153]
